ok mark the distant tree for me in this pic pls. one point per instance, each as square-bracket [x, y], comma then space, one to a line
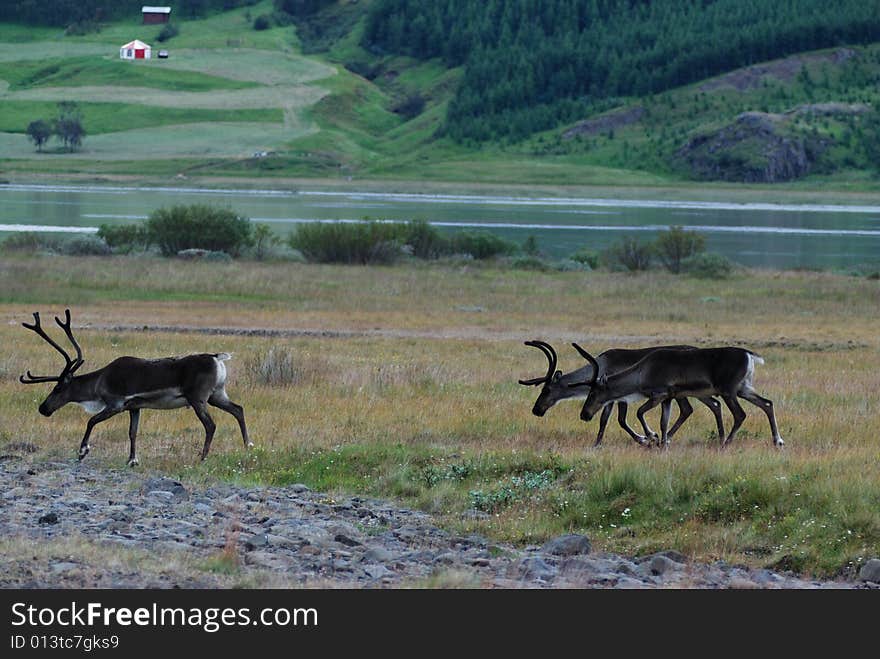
[68, 126]
[262, 22]
[676, 245]
[168, 31]
[632, 254]
[530, 246]
[39, 132]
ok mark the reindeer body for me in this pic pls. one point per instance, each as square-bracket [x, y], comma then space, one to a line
[130, 384]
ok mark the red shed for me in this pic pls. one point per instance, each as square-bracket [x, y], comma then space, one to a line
[153, 15]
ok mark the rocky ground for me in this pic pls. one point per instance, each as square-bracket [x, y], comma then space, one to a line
[64, 524]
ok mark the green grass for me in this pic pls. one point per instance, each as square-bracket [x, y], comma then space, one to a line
[111, 71]
[100, 118]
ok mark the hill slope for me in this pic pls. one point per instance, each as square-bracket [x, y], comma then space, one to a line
[235, 101]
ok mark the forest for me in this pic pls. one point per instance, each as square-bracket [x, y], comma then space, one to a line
[531, 65]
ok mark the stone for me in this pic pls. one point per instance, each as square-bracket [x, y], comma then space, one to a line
[254, 541]
[567, 545]
[660, 564]
[49, 518]
[343, 539]
[535, 567]
[299, 488]
[377, 555]
[174, 488]
[377, 571]
[871, 571]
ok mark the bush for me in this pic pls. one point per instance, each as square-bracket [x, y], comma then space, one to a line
[198, 227]
[676, 245]
[630, 254]
[124, 238]
[30, 241]
[587, 257]
[424, 241]
[262, 22]
[709, 266]
[410, 107]
[169, 31]
[264, 241]
[481, 245]
[362, 242]
[530, 263]
[83, 246]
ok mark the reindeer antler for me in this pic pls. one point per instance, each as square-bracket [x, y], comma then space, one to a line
[70, 364]
[550, 353]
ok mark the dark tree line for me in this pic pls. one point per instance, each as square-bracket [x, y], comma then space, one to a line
[62, 13]
[531, 64]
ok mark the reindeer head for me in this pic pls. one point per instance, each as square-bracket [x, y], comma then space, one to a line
[58, 396]
[556, 385]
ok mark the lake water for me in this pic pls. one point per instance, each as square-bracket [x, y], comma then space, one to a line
[764, 235]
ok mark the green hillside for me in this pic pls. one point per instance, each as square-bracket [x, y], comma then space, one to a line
[323, 92]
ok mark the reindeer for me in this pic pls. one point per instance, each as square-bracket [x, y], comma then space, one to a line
[669, 373]
[559, 386]
[130, 384]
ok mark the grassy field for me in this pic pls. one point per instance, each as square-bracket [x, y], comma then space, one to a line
[401, 382]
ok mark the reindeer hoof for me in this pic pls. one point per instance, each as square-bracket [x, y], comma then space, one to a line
[133, 462]
[83, 451]
[249, 445]
[779, 443]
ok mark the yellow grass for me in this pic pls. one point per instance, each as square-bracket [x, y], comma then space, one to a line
[407, 361]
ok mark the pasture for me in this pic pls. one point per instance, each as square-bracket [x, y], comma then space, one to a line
[400, 382]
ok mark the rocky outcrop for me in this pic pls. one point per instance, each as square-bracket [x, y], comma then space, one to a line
[606, 122]
[756, 147]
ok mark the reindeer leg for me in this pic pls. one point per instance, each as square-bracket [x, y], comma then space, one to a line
[665, 410]
[622, 409]
[134, 419]
[200, 408]
[603, 421]
[685, 409]
[650, 404]
[220, 400]
[739, 416]
[767, 405]
[103, 415]
[715, 406]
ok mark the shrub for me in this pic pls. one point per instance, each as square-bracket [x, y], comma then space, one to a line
[83, 246]
[198, 227]
[530, 263]
[424, 241]
[30, 241]
[709, 266]
[676, 245]
[362, 242]
[481, 244]
[124, 238]
[264, 241]
[410, 107]
[169, 31]
[262, 22]
[630, 254]
[530, 246]
[586, 257]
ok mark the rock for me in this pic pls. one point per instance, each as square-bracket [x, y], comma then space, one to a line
[343, 539]
[299, 488]
[377, 571]
[255, 541]
[48, 518]
[567, 545]
[63, 566]
[660, 564]
[535, 567]
[447, 558]
[174, 488]
[377, 555]
[871, 571]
